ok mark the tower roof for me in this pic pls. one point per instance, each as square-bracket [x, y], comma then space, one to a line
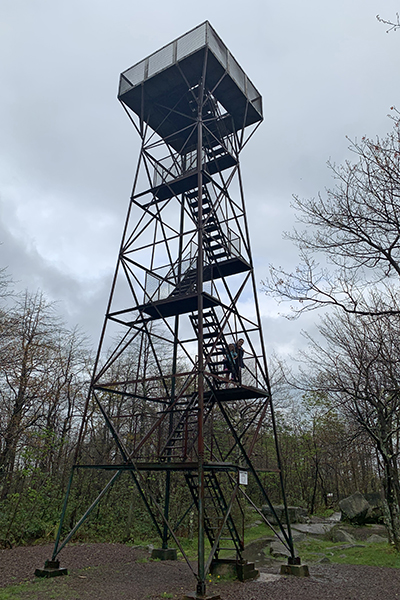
[163, 78]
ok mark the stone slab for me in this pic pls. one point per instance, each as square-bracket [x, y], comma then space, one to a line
[335, 517]
[258, 552]
[313, 528]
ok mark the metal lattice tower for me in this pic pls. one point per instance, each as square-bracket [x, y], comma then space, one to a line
[183, 291]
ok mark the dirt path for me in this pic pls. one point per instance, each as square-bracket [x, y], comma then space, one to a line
[116, 571]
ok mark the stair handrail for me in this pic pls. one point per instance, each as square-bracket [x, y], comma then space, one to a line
[169, 283]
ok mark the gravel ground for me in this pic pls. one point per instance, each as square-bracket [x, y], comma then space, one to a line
[108, 571]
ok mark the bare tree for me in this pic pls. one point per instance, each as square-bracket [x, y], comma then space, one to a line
[40, 377]
[354, 228]
[358, 366]
[393, 25]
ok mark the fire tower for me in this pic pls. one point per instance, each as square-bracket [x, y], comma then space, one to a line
[174, 399]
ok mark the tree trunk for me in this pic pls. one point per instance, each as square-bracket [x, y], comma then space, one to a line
[392, 493]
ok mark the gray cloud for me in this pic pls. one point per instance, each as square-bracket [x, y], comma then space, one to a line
[68, 152]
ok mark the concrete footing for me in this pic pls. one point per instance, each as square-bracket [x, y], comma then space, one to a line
[51, 569]
[246, 571]
[164, 554]
[243, 570]
[296, 570]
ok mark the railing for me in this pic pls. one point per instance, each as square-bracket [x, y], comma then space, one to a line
[175, 165]
[229, 240]
[252, 374]
[234, 242]
[171, 167]
[159, 287]
[163, 281]
[190, 42]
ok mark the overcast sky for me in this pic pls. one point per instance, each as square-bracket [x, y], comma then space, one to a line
[326, 70]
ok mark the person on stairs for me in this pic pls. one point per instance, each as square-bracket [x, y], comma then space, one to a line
[239, 362]
[229, 363]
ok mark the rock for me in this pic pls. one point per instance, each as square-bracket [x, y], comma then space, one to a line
[324, 559]
[296, 514]
[279, 550]
[354, 508]
[314, 528]
[335, 517]
[340, 535]
[375, 539]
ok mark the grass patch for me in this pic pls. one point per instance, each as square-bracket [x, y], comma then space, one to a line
[250, 535]
[259, 531]
[373, 555]
[46, 588]
[325, 513]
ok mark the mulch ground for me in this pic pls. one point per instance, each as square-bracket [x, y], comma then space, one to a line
[116, 571]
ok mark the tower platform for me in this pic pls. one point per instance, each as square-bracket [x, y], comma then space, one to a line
[231, 394]
[159, 88]
[178, 305]
[172, 186]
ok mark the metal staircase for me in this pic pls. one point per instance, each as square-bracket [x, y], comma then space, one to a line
[215, 242]
[215, 346]
[184, 432]
[217, 526]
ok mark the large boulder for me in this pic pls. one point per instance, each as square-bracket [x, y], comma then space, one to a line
[296, 514]
[355, 508]
[375, 501]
